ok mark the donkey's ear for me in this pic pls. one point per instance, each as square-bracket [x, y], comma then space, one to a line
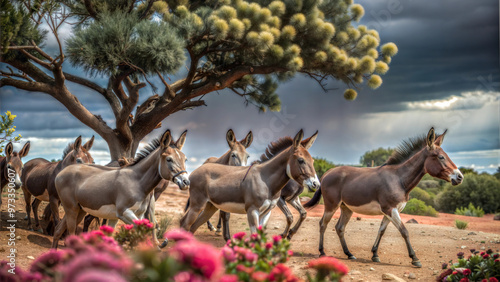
[8, 150]
[77, 144]
[307, 143]
[24, 151]
[247, 141]
[298, 138]
[89, 143]
[166, 139]
[180, 142]
[230, 138]
[440, 138]
[431, 137]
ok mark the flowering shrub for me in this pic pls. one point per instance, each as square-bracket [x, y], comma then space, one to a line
[129, 237]
[96, 256]
[479, 266]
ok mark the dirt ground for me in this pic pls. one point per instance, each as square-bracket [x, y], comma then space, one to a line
[435, 240]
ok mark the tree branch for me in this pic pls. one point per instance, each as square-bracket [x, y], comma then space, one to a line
[90, 8]
[28, 85]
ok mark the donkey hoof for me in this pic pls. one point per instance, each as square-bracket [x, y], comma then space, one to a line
[164, 244]
[25, 218]
[351, 257]
[322, 255]
[40, 230]
[417, 263]
[375, 259]
[211, 228]
[218, 232]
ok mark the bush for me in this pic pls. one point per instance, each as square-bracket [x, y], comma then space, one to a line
[96, 256]
[418, 207]
[480, 190]
[484, 266]
[422, 195]
[460, 224]
[470, 211]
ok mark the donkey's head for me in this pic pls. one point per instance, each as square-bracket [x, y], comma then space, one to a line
[438, 164]
[14, 167]
[172, 164]
[238, 155]
[77, 154]
[300, 165]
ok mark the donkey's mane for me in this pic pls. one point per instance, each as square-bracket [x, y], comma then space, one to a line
[68, 149]
[407, 149]
[148, 149]
[276, 147]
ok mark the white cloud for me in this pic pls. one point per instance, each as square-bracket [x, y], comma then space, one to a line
[464, 101]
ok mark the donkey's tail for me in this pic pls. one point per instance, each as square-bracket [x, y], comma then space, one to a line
[315, 199]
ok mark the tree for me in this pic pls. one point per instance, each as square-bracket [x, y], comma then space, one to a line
[7, 129]
[321, 166]
[376, 157]
[246, 47]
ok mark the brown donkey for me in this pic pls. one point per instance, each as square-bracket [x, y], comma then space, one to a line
[39, 174]
[11, 166]
[383, 190]
[253, 190]
[119, 192]
[236, 156]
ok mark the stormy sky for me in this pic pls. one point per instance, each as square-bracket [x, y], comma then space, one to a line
[445, 75]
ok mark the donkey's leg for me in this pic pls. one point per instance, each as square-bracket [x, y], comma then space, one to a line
[112, 222]
[323, 223]
[396, 220]
[265, 218]
[207, 213]
[58, 232]
[345, 216]
[194, 207]
[73, 221]
[381, 231]
[225, 227]
[289, 216]
[88, 220]
[34, 207]
[303, 214]
[128, 217]
[54, 206]
[151, 209]
[27, 202]
[253, 219]
[210, 226]
[218, 232]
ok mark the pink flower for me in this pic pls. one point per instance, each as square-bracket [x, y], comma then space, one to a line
[269, 245]
[47, 261]
[229, 278]
[254, 236]
[329, 264]
[493, 279]
[106, 229]
[290, 252]
[282, 273]
[465, 279]
[259, 276]
[276, 238]
[485, 256]
[466, 272]
[242, 268]
[228, 254]
[202, 256]
[179, 235]
[97, 275]
[128, 226]
[259, 228]
[251, 257]
[95, 260]
[186, 276]
[239, 235]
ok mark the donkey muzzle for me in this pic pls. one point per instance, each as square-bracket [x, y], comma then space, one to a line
[456, 177]
[311, 183]
[182, 181]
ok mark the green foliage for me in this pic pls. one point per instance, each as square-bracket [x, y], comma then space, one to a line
[162, 226]
[467, 170]
[460, 224]
[321, 166]
[480, 190]
[122, 39]
[7, 129]
[470, 211]
[418, 207]
[421, 194]
[378, 157]
[484, 266]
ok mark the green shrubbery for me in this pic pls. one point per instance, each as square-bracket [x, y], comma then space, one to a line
[418, 207]
[481, 190]
[423, 195]
[470, 211]
[460, 224]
